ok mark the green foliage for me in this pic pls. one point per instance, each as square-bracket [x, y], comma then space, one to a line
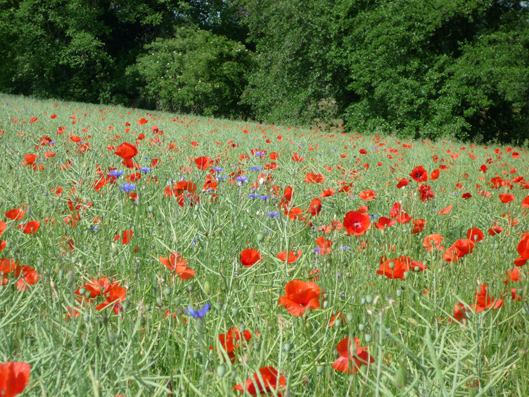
[195, 72]
[455, 68]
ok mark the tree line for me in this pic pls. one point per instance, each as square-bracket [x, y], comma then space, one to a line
[432, 69]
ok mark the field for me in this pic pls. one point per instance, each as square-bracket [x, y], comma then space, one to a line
[149, 254]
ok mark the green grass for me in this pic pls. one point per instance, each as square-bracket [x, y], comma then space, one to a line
[140, 351]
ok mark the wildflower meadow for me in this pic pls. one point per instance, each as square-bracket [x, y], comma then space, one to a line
[149, 254]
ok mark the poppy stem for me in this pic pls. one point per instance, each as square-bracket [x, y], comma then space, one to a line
[305, 326]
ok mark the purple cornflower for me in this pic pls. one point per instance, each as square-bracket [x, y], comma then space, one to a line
[116, 173]
[253, 196]
[145, 169]
[242, 179]
[273, 214]
[200, 313]
[127, 187]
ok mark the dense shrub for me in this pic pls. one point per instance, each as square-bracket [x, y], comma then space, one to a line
[195, 72]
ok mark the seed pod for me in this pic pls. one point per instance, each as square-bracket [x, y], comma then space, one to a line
[401, 377]
[368, 338]
[207, 288]
[260, 237]
[221, 371]
[114, 248]
[369, 299]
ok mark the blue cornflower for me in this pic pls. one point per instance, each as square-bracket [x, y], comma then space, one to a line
[373, 216]
[317, 250]
[264, 198]
[7, 103]
[241, 179]
[256, 168]
[259, 154]
[145, 169]
[146, 158]
[127, 187]
[116, 173]
[273, 214]
[344, 248]
[94, 228]
[351, 196]
[200, 313]
[217, 169]
[335, 150]
[253, 196]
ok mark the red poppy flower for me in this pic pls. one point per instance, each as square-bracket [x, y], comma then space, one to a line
[506, 198]
[3, 245]
[315, 207]
[383, 222]
[328, 193]
[484, 301]
[292, 256]
[466, 196]
[435, 174]
[394, 268]
[113, 298]
[314, 178]
[436, 239]
[297, 158]
[267, 380]
[525, 202]
[356, 223]
[229, 341]
[29, 277]
[142, 121]
[295, 213]
[475, 234]
[395, 210]
[127, 151]
[496, 229]
[403, 218]
[352, 356]
[324, 246]
[29, 159]
[523, 250]
[29, 227]
[127, 236]
[13, 378]
[15, 214]
[367, 195]
[403, 182]
[250, 257]
[418, 225]
[426, 193]
[300, 296]
[202, 163]
[419, 174]
[459, 312]
[446, 210]
[512, 276]
[176, 263]
[458, 250]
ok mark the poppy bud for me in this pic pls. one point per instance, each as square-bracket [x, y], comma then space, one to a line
[125, 305]
[257, 346]
[86, 317]
[260, 237]
[363, 301]
[159, 301]
[369, 299]
[190, 288]
[405, 274]
[288, 347]
[349, 317]
[361, 327]
[71, 277]
[233, 373]
[325, 304]
[319, 369]
[207, 288]
[221, 371]
[82, 290]
[519, 337]
[73, 260]
[234, 311]
[61, 273]
[147, 308]
[368, 338]
[391, 265]
[522, 352]
[413, 322]
[399, 292]
[400, 378]
[150, 208]
[114, 248]
[219, 305]
[337, 323]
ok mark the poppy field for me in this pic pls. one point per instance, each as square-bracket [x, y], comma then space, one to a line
[148, 254]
